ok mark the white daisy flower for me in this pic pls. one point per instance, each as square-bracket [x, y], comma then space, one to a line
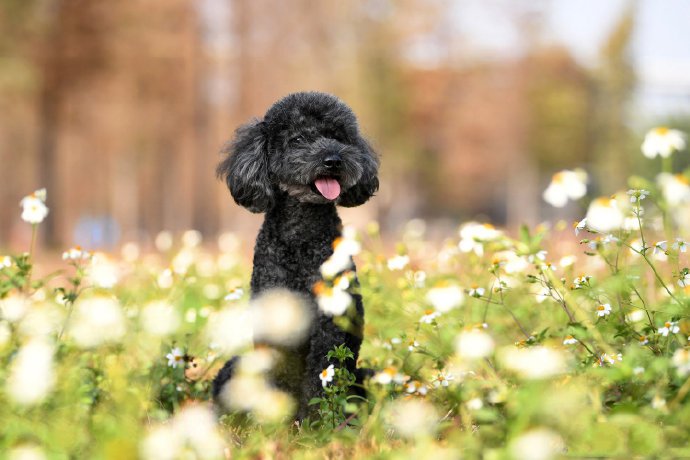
[103, 272]
[412, 418]
[684, 281]
[637, 195]
[569, 340]
[32, 372]
[429, 316]
[511, 262]
[159, 318]
[13, 307]
[675, 188]
[344, 248]
[327, 375]
[235, 294]
[5, 262]
[567, 261]
[230, 329]
[661, 248]
[192, 431]
[603, 310]
[581, 281]
[476, 291]
[669, 327]
[662, 141]
[680, 245]
[27, 452]
[280, 318]
[165, 279]
[474, 404]
[443, 379]
[474, 344]
[579, 226]
[192, 238]
[415, 387]
[386, 376]
[605, 359]
[566, 185]
[34, 209]
[473, 236]
[538, 362]
[331, 300]
[444, 297]
[419, 278]
[97, 320]
[604, 215]
[398, 262]
[537, 444]
[76, 253]
[681, 359]
[164, 241]
[175, 357]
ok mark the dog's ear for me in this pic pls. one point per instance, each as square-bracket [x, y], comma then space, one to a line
[245, 169]
[368, 183]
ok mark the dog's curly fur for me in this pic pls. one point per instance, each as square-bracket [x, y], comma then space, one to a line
[271, 167]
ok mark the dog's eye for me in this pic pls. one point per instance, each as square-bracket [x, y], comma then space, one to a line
[297, 139]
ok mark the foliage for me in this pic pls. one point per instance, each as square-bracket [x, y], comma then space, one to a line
[556, 341]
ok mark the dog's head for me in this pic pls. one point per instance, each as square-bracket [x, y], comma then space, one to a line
[307, 145]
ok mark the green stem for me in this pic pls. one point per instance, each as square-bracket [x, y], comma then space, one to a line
[643, 253]
[661, 281]
[667, 164]
[644, 306]
[64, 325]
[500, 293]
[34, 231]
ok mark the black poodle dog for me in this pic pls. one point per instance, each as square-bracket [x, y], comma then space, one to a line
[296, 165]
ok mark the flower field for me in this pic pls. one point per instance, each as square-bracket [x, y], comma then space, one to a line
[556, 340]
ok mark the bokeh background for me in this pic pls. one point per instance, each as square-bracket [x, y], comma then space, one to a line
[119, 109]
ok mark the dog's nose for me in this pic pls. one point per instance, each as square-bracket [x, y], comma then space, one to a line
[332, 161]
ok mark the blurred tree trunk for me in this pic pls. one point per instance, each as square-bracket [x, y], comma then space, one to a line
[69, 55]
[615, 82]
[51, 95]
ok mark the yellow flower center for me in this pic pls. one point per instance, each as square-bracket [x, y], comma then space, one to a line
[603, 201]
[428, 312]
[320, 288]
[681, 178]
[324, 373]
[667, 324]
[661, 130]
[558, 178]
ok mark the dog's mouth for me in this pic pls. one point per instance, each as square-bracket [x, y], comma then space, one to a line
[328, 187]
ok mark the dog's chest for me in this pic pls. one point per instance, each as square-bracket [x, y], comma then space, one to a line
[290, 256]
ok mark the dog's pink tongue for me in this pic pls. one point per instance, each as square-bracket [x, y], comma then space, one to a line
[328, 187]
